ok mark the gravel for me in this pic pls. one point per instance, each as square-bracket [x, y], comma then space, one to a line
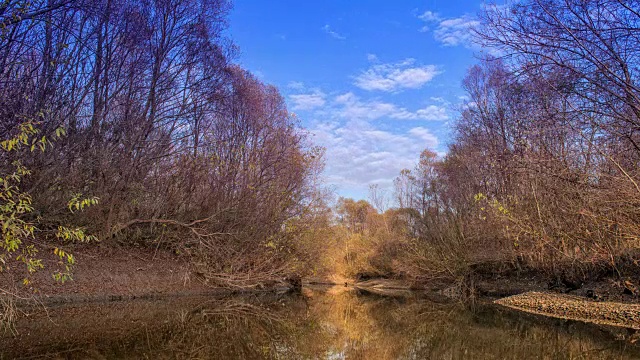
[575, 308]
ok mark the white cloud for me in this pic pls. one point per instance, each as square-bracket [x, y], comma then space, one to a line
[332, 33]
[457, 31]
[429, 16]
[396, 76]
[450, 31]
[359, 154]
[426, 135]
[307, 101]
[372, 57]
[296, 85]
[432, 112]
[469, 105]
[349, 106]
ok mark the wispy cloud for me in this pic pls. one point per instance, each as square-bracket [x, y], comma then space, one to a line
[393, 77]
[361, 154]
[457, 31]
[432, 112]
[333, 33]
[423, 133]
[450, 31]
[429, 16]
[349, 106]
[360, 151]
[308, 101]
[296, 85]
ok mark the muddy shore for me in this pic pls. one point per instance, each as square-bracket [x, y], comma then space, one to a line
[112, 274]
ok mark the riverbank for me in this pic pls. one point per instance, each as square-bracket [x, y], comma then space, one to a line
[114, 274]
[605, 301]
[117, 274]
[602, 288]
[575, 308]
[492, 287]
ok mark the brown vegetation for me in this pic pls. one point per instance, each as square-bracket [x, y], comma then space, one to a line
[542, 173]
[171, 144]
[153, 138]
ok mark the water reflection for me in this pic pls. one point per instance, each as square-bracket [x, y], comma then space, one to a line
[324, 323]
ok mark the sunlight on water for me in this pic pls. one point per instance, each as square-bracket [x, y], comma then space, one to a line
[320, 323]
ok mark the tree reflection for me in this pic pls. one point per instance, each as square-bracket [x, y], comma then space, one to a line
[325, 323]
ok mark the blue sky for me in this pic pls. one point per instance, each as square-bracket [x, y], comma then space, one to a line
[375, 82]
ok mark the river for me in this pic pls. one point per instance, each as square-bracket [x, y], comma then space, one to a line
[321, 323]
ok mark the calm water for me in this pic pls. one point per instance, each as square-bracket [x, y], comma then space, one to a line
[322, 323]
